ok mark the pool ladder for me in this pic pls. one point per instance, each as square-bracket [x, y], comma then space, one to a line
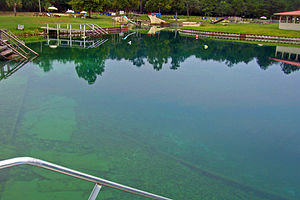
[99, 182]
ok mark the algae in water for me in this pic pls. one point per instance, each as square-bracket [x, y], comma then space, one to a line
[53, 119]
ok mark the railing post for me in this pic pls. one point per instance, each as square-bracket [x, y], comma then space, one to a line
[95, 192]
[84, 30]
[70, 30]
[84, 42]
[57, 31]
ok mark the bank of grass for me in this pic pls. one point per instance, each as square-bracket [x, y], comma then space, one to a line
[250, 42]
[33, 24]
[247, 28]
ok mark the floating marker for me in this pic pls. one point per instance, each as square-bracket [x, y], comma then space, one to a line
[205, 46]
[129, 42]
[197, 37]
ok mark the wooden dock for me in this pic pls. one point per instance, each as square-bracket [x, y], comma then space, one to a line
[80, 29]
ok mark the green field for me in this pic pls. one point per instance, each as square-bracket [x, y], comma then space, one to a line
[33, 24]
[247, 28]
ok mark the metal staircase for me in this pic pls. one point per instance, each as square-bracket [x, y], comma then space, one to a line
[11, 48]
[97, 29]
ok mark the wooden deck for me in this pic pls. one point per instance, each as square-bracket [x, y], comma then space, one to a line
[77, 29]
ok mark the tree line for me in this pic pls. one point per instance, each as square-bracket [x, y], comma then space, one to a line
[243, 8]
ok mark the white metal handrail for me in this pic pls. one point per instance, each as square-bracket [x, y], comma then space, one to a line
[11, 36]
[70, 172]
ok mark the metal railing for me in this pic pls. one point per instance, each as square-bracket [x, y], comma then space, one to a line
[7, 70]
[75, 28]
[17, 46]
[99, 182]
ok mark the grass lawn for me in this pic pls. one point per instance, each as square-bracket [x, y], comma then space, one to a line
[250, 28]
[33, 24]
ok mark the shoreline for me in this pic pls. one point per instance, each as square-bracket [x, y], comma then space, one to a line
[242, 37]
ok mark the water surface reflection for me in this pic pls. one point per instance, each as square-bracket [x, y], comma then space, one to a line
[163, 50]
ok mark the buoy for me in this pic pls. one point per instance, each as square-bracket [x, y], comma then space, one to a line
[205, 46]
[129, 42]
[197, 37]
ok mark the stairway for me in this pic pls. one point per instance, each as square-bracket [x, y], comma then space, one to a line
[8, 54]
[11, 48]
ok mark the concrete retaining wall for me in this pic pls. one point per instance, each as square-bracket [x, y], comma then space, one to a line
[239, 36]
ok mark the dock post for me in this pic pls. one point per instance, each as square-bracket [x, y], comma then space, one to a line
[80, 30]
[70, 30]
[57, 30]
[84, 30]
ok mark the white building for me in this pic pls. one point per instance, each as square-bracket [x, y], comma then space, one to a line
[289, 20]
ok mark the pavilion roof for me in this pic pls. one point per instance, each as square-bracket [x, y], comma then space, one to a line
[291, 13]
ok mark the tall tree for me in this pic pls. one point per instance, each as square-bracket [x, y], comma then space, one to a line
[190, 5]
[89, 5]
[208, 7]
[14, 4]
[238, 7]
[159, 5]
[177, 5]
[223, 8]
[141, 6]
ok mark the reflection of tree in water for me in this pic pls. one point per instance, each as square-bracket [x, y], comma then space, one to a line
[287, 69]
[45, 64]
[89, 71]
[157, 51]
[90, 64]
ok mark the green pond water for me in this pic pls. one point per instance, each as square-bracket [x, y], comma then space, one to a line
[162, 114]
